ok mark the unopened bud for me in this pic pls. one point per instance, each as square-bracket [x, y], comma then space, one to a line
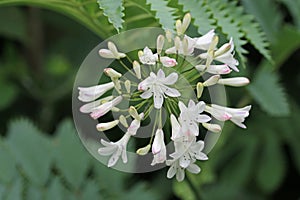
[169, 35]
[178, 27]
[107, 125]
[144, 150]
[133, 112]
[185, 22]
[236, 81]
[115, 109]
[177, 43]
[127, 85]
[211, 81]
[160, 43]
[216, 128]
[123, 121]
[199, 89]
[185, 46]
[137, 69]
[112, 73]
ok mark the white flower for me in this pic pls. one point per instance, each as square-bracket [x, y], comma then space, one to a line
[147, 57]
[116, 149]
[190, 117]
[159, 148]
[155, 85]
[87, 94]
[204, 41]
[176, 169]
[236, 81]
[214, 69]
[105, 107]
[185, 47]
[168, 62]
[236, 115]
[225, 55]
[135, 124]
[111, 52]
[89, 107]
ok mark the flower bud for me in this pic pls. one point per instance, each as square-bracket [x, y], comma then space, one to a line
[115, 109]
[199, 89]
[144, 150]
[137, 69]
[185, 46]
[236, 81]
[112, 73]
[223, 49]
[127, 85]
[107, 125]
[169, 35]
[216, 128]
[160, 43]
[112, 47]
[185, 22]
[178, 27]
[133, 112]
[211, 81]
[123, 121]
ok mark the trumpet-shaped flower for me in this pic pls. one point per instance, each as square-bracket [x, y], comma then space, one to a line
[105, 107]
[147, 57]
[236, 115]
[159, 148]
[168, 62]
[116, 149]
[190, 117]
[225, 55]
[204, 41]
[214, 69]
[87, 94]
[156, 86]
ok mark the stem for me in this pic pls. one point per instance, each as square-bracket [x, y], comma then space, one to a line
[193, 187]
[123, 64]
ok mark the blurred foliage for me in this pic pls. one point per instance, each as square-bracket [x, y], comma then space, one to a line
[36, 166]
[40, 54]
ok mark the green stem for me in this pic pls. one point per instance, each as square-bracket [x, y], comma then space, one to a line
[193, 188]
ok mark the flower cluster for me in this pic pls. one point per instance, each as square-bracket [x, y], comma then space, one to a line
[156, 86]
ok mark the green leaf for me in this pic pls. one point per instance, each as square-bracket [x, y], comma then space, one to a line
[85, 12]
[200, 13]
[31, 149]
[10, 92]
[91, 191]
[271, 165]
[15, 192]
[13, 24]
[288, 43]
[164, 13]
[7, 164]
[267, 15]
[34, 193]
[267, 91]
[294, 8]
[183, 190]
[72, 160]
[114, 11]
[55, 190]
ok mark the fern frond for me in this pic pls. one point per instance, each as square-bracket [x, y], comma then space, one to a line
[200, 13]
[164, 13]
[229, 25]
[113, 10]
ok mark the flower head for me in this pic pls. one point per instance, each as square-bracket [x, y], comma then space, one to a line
[156, 86]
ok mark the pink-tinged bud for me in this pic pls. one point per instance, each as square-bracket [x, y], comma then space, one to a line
[214, 69]
[211, 81]
[168, 62]
[216, 128]
[107, 125]
[236, 82]
[105, 108]
[160, 43]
